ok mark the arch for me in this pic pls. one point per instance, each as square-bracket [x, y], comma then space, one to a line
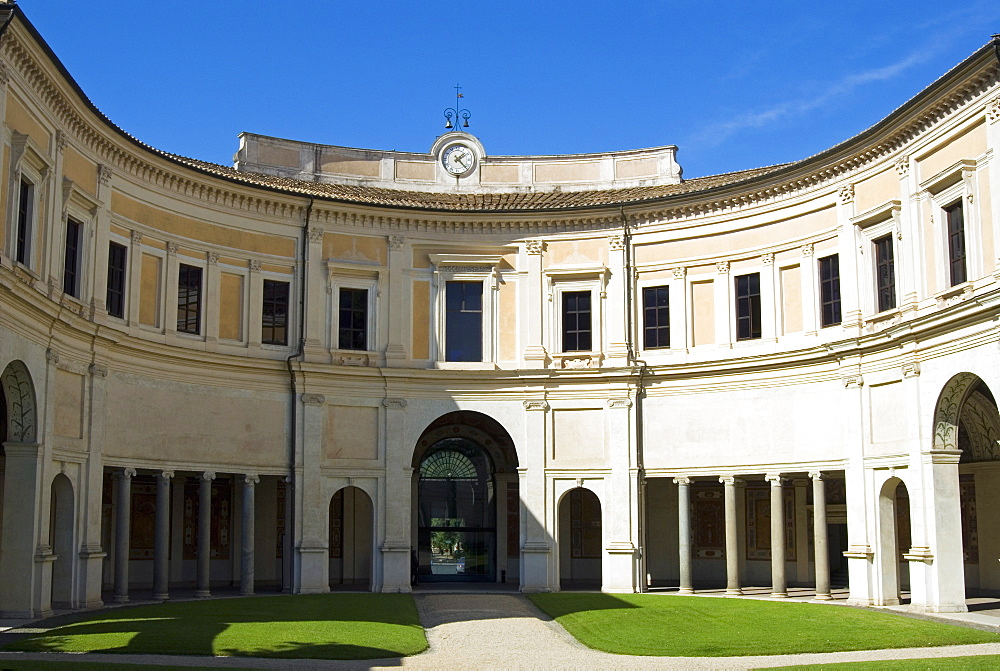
[477, 427]
[61, 540]
[3, 457]
[893, 541]
[580, 539]
[19, 395]
[352, 538]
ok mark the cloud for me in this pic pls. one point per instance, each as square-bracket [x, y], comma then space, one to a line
[715, 134]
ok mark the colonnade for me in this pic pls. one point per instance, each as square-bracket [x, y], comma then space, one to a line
[161, 549]
[779, 583]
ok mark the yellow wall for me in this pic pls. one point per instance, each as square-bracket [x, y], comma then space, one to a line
[969, 144]
[22, 121]
[149, 298]
[703, 312]
[577, 252]
[168, 222]
[231, 307]
[876, 190]
[79, 170]
[508, 321]
[791, 299]
[352, 432]
[69, 404]
[354, 248]
[421, 305]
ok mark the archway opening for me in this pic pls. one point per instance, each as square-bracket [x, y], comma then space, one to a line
[894, 542]
[351, 538]
[466, 522]
[580, 540]
[61, 541]
[3, 458]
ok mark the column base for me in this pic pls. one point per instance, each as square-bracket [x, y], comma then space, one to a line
[248, 592]
[779, 595]
[161, 597]
[202, 594]
[120, 598]
[685, 590]
[822, 597]
[734, 591]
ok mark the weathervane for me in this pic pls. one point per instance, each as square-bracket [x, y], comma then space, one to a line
[457, 111]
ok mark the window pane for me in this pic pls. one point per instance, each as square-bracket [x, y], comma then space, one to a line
[656, 317]
[23, 245]
[117, 255]
[956, 243]
[352, 326]
[274, 315]
[829, 290]
[747, 306]
[463, 337]
[189, 299]
[885, 275]
[576, 321]
[71, 258]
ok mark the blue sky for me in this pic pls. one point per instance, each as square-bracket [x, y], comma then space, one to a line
[734, 84]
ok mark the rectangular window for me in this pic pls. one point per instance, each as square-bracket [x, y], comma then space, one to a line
[463, 337]
[353, 323]
[656, 317]
[956, 243]
[885, 273]
[274, 315]
[71, 260]
[576, 328]
[829, 290]
[26, 194]
[747, 306]
[189, 299]
[117, 255]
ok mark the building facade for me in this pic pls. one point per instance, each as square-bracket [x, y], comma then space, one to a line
[330, 367]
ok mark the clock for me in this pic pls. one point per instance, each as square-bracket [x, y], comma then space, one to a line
[458, 159]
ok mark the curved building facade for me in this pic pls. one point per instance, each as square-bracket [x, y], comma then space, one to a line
[328, 367]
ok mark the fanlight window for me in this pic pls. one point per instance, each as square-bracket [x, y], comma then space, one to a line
[448, 465]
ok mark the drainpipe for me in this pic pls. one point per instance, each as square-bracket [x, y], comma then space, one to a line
[297, 354]
[640, 394]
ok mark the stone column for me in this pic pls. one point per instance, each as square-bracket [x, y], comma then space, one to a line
[247, 555]
[123, 511]
[287, 544]
[822, 559]
[778, 587]
[202, 589]
[397, 544]
[20, 529]
[537, 570]
[161, 547]
[684, 533]
[732, 538]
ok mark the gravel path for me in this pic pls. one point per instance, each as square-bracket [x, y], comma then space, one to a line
[506, 631]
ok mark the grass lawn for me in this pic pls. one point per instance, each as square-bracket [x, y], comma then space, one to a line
[973, 662]
[691, 626]
[20, 665]
[315, 626]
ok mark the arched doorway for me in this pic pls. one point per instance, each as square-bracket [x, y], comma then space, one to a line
[467, 505]
[580, 540]
[61, 541]
[3, 458]
[351, 537]
[894, 541]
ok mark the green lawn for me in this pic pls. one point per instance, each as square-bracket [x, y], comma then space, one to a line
[973, 662]
[318, 626]
[20, 665]
[683, 626]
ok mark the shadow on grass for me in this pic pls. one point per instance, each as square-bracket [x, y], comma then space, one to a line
[356, 626]
[555, 605]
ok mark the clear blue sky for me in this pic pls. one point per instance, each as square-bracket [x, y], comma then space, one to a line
[734, 84]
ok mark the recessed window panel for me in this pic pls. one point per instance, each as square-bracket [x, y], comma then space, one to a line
[188, 299]
[463, 338]
[576, 321]
[352, 332]
[747, 306]
[829, 290]
[656, 317]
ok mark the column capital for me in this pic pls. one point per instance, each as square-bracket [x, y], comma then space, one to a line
[208, 475]
[730, 480]
[251, 479]
[817, 475]
[683, 480]
[775, 479]
[127, 472]
[166, 475]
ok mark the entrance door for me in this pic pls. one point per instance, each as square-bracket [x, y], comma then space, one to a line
[456, 527]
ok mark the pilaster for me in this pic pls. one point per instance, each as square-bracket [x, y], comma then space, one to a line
[18, 573]
[537, 558]
[397, 546]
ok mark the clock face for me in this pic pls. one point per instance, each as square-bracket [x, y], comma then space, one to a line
[458, 159]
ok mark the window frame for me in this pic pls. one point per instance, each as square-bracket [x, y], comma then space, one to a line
[877, 246]
[951, 235]
[199, 303]
[24, 222]
[875, 224]
[28, 163]
[124, 282]
[263, 312]
[836, 303]
[564, 334]
[72, 257]
[754, 307]
[339, 314]
[954, 185]
[481, 268]
[351, 275]
[576, 278]
[645, 327]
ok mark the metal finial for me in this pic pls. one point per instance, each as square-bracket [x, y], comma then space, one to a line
[457, 112]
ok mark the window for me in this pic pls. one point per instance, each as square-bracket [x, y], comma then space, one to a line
[117, 255]
[25, 207]
[829, 290]
[656, 317]
[576, 329]
[747, 306]
[463, 337]
[353, 324]
[71, 261]
[274, 315]
[885, 274]
[956, 243]
[189, 299]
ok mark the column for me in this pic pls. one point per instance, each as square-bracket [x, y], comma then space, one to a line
[770, 296]
[778, 588]
[396, 306]
[684, 533]
[247, 555]
[615, 319]
[532, 306]
[315, 299]
[537, 570]
[397, 544]
[287, 546]
[732, 538]
[822, 558]
[202, 590]
[161, 542]
[20, 528]
[123, 510]
[723, 306]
